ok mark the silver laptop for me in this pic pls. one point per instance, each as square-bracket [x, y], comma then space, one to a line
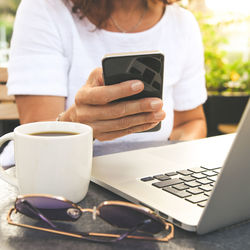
[199, 185]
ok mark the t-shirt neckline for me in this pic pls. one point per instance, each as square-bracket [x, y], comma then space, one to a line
[153, 29]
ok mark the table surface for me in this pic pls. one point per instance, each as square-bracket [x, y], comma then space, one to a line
[13, 237]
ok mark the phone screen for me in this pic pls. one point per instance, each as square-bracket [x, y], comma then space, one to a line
[147, 67]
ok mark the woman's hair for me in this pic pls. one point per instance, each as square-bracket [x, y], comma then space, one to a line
[100, 10]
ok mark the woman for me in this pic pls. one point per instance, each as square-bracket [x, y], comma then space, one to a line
[55, 73]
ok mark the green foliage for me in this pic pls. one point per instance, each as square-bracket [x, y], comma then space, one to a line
[222, 74]
[9, 28]
[9, 6]
[8, 11]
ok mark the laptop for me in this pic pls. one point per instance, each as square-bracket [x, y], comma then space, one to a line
[200, 185]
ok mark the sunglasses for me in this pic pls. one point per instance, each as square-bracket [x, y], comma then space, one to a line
[129, 217]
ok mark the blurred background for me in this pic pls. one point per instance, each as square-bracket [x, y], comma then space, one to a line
[7, 15]
[225, 27]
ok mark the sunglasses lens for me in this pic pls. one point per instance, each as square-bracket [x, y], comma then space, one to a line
[52, 208]
[128, 217]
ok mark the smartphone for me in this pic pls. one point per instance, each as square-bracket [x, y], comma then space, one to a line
[146, 66]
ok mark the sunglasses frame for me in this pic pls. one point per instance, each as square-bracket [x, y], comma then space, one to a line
[94, 211]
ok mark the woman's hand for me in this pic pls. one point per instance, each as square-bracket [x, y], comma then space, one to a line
[110, 120]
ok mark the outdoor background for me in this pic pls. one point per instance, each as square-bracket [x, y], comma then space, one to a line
[225, 26]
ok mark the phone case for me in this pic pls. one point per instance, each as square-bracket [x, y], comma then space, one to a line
[147, 67]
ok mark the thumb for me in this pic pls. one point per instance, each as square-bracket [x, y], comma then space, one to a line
[96, 78]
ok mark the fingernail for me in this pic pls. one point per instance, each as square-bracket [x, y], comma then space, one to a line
[156, 104]
[159, 115]
[137, 86]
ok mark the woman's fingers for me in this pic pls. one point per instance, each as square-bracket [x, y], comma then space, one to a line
[127, 122]
[88, 113]
[116, 134]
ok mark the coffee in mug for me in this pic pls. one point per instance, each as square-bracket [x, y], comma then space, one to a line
[53, 133]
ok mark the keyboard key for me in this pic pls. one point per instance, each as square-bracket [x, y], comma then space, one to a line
[197, 170]
[193, 184]
[206, 188]
[161, 177]
[208, 193]
[213, 178]
[197, 198]
[181, 194]
[204, 181]
[217, 170]
[184, 172]
[195, 191]
[202, 204]
[167, 183]
[181, 186]
[198, 175]
[149, 178]
[210, 173]
[212, 167]
[187, 178]
[171, 174]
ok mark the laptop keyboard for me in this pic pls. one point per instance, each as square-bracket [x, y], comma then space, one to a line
[194, 184]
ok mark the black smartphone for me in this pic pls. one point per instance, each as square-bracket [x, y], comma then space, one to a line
[145, 66]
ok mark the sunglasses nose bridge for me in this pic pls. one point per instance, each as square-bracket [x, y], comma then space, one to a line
[93, 210]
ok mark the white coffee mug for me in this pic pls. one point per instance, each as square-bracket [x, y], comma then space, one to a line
[51, 158]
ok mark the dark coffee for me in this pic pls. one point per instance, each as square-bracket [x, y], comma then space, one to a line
[54, 133]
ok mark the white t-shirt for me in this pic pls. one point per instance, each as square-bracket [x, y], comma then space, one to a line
[53, 53]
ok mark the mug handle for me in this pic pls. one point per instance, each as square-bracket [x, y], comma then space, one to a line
[3, 175]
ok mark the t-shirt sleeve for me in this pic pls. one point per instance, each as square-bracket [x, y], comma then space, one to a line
[38, 65]
[190, 91]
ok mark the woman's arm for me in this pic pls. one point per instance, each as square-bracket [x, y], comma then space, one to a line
[34, 108]
[189, 125]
